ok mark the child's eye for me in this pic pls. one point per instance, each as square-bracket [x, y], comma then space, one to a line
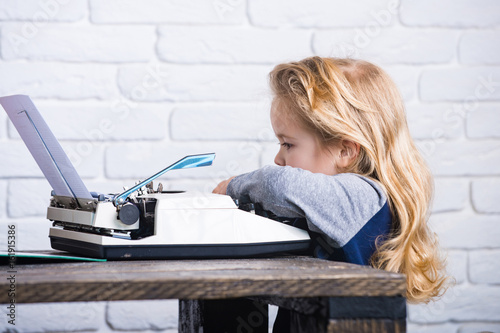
[286, 145]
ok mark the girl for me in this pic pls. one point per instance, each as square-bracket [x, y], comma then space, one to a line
[348, 166]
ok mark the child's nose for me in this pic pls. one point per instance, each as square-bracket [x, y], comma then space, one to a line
[279, 160]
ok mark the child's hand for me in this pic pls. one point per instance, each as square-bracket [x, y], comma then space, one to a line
[222, 187]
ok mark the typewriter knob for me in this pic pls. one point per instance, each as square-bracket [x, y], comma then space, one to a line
[129, 214]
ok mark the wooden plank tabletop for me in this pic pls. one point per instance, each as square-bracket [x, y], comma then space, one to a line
[197, 279]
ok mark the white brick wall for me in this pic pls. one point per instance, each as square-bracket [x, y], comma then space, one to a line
[188, 44]
[450, 13]
[34, 12]
[319, 13]
[477, 125]
[82, 43]
[196, 12]
[469, 85]
[131, 86]
[390, 45]
[473, 44]
[59, 80]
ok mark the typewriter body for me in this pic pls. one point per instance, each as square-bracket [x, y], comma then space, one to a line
[141, 222]
[162, 224]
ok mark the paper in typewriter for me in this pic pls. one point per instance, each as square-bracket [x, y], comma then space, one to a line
[44, 147]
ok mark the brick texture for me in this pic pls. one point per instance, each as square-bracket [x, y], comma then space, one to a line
[383, 45]
[79, 44]
[203, 122]
[486, 195]
[455, 230]
[450, 194]
[462, 158]
[322, 14]
[59, 80]
[449, 13]
[104, 121]
[3, 203]
[485, 267]
[232, 45]
[198, 12]
[468, 85]
[434, 121]
[160, 82]
[406, 79]
[36, 12]
[143, 315]
[65, 317]
[460, 304]
[472, 46]
[484, 122]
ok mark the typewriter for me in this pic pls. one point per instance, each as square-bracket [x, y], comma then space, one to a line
[143, 222]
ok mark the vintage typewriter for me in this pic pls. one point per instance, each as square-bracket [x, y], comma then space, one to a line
[141, 222]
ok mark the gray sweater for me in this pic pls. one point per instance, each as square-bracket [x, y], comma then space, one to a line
[349, 209]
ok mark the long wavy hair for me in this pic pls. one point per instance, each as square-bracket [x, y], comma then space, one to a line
[347, 99]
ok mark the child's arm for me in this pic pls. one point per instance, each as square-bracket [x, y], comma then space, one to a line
[222, 187]
[338, 206]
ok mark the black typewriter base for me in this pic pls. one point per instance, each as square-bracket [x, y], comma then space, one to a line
[184, 251]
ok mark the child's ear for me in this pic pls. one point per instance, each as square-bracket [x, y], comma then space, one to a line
[349, 150]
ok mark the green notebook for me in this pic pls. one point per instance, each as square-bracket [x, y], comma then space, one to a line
[41, 256]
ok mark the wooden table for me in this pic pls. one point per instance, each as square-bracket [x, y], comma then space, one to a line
[325, 296]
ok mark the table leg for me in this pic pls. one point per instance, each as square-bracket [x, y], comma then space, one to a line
[228, 315]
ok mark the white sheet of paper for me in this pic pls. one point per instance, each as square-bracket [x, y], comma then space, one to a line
[44, 147]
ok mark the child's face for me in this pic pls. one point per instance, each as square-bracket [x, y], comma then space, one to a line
[300, 148]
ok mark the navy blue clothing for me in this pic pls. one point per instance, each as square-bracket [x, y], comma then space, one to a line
[361, 247]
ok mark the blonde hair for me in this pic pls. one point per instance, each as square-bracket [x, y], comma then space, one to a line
[347, 99]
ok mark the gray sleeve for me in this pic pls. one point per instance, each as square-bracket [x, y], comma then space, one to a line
[337, 206]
